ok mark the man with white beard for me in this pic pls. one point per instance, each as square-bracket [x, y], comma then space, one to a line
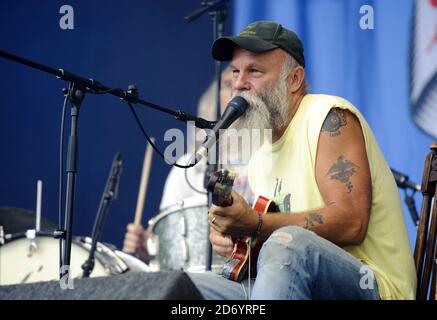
[340, 233]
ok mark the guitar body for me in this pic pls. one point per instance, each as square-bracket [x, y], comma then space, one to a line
[236, 268]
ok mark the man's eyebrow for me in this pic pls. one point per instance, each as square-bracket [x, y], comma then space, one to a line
[250, 65]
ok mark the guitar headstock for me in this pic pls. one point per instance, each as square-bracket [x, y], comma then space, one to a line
[220, 185]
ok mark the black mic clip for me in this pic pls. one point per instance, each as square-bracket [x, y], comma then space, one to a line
[198, 122]
[132, 95]
[404, 182]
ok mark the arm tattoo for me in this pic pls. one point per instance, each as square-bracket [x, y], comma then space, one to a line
[342, 170]
[311, 219]
[334, 121]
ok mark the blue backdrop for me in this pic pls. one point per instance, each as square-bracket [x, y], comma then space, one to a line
[119, 43]
[147, 43]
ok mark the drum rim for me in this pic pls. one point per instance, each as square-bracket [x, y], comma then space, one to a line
[190, 202]
[20, 235]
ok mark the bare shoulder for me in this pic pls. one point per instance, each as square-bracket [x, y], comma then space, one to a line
[342, 167]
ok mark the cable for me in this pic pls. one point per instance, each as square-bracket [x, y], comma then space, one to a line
[153, 145]
[191, 186]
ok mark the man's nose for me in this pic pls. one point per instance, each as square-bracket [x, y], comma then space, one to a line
[240, 83]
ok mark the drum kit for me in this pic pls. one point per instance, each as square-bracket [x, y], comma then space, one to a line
[178, 242]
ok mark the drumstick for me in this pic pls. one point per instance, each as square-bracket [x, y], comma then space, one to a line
[38, 205]
[143, 184]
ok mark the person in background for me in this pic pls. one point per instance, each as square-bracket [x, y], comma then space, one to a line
[179, 184]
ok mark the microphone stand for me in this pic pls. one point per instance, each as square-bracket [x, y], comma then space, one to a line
[76, 96]
[79, 86]
[94, 86]
[218, 12]
[404, 182]
[110, 193]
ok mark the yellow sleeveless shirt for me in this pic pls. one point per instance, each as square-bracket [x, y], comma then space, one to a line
[285, 172]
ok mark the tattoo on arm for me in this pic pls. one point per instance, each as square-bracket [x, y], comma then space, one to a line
[342, 171]
[335, 119]
[312, 219]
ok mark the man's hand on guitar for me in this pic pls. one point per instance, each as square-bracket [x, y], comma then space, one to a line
[237, 220]
[221, 244]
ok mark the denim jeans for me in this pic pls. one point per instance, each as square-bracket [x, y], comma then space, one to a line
[296, 264]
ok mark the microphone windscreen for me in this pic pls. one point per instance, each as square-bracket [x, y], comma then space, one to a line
[239, 103]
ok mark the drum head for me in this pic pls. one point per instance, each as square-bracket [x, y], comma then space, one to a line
[25, 260]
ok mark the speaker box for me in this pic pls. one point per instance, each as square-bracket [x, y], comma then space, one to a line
[168, 285]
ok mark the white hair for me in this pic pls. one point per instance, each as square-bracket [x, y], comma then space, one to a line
[289, 64]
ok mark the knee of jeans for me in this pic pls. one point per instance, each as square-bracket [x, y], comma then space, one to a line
[288, 242]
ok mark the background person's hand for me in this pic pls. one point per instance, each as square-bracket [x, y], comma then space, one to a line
[135, 241]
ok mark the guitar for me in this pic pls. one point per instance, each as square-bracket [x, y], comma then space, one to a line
[246, 249]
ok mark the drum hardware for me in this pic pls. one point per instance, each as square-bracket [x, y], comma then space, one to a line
[2, 235]
[183, 224]
[111, 262]
[185, 249]
[31, 249]
[31, 235]
[59, 234]
[152, 243]
[185, 252]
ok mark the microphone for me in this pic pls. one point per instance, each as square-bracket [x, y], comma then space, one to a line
[404, 182]
[235, 109]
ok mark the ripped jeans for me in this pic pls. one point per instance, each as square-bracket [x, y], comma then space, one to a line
[296, 264]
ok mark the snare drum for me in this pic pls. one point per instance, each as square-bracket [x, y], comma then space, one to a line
[25, 259]
[180, 237]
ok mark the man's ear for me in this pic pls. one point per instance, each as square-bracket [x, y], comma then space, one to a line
[296, 78]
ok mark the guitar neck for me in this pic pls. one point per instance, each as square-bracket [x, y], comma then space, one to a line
[222, 200]
[220, 185]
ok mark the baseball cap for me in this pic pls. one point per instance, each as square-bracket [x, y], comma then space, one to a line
[260, 36]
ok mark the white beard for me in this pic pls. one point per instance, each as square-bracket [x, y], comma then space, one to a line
[268, 111]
